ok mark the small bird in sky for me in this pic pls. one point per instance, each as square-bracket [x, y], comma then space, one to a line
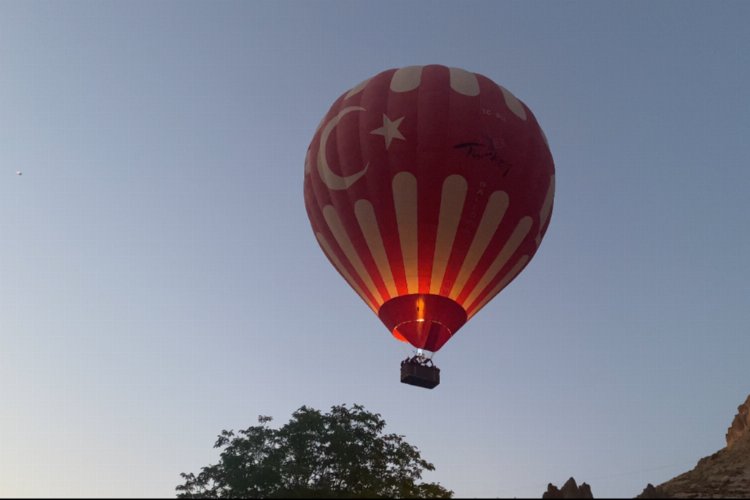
[18, 172]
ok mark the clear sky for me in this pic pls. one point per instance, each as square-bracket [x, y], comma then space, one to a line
[159, 280]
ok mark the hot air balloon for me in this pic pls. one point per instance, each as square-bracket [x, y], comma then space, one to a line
[429, 189]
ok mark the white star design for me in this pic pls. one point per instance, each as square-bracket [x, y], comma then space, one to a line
[389, 130]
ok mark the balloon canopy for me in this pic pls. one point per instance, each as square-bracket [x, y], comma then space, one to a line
[429, 189]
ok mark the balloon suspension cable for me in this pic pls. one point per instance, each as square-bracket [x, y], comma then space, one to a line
[421, 358]
[419, 370]
[424, 354]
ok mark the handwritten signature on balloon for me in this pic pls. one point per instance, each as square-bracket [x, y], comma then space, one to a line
[487, 149]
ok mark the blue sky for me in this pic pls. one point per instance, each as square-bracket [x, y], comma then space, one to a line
[159, 281]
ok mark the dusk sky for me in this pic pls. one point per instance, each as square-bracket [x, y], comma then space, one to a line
[160, 282]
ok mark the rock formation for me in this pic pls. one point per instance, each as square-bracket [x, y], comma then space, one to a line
[741, 423]
[650, 491]
[569, 490]
[725, 474]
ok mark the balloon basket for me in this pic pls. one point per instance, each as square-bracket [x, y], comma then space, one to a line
[420, 371]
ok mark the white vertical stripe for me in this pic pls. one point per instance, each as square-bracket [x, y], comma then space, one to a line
[464, 82]
[500, 286]
[405, 202]
[334, 223]
[513, 103]
[369, 225]
[544, 136]
[348, 277]
[515, 240]
[451, 206]
[546, 208]
[308, 162]
[358, 88]
[406, 79]
[547, 205]
[493, 214]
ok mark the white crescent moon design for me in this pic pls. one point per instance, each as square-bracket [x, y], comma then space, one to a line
[333, 181]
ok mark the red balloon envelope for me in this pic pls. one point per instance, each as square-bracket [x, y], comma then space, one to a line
[429, 189]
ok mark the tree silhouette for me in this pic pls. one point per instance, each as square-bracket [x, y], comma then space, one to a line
[340, 454]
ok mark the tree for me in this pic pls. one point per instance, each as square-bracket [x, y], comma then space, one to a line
[340, 454]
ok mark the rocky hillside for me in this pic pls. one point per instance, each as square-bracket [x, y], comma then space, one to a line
[569, 490]
[725, 474]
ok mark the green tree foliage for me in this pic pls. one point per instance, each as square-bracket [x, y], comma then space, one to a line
[340, 454]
